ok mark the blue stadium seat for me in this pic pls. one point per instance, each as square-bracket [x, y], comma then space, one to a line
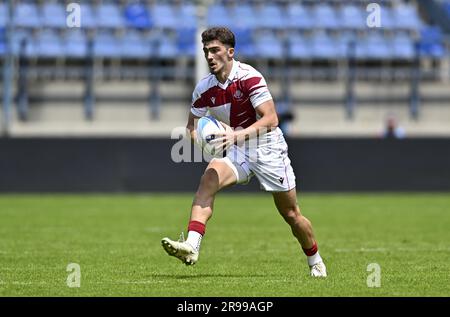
[244, 43]
[75, 43]
[88, 17]
[164, 17]
[106, 45]
[54, 15]
[167, 47]
[406, 17]
[2, 42]
[403, 47]
[271, 16]
[218, 15]
[3, 15]
[244, 16]
[134, 45]
[343, 42]
[325, 17]
[137, 16]
[299, 47]
[431, 42]
[27, 15]
[187, 16]
[109, 16]
[17, 37]
[374, 46]
[323, 46]
[387, 18]
[299, 17]
[187, 45]
[49, 44]
[352, 17]
[268, 45]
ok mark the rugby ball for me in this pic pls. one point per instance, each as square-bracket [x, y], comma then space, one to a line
[207, 128]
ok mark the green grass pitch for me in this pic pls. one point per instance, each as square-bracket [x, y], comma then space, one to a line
[248, 250]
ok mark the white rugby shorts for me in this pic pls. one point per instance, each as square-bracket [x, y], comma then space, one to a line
[269, 162]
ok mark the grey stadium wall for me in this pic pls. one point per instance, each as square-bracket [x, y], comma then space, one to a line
[145, 165]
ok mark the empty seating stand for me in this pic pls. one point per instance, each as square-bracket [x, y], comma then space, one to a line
[266, 27]
[162, 34]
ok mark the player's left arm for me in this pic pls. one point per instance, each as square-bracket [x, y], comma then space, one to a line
[267, 122]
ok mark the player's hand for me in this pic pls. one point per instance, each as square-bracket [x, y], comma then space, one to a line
[220, 142]
[196, 139]
[224, 140]
[192, 135]
[226, 127]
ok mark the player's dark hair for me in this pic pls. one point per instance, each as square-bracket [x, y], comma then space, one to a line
[222, 34]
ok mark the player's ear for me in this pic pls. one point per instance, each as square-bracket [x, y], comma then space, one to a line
[231, 52]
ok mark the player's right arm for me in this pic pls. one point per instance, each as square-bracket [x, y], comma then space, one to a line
[192, 126]
[198, 110]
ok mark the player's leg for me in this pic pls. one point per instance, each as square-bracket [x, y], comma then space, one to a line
[219, 174]
[286, 203]
[276, 175]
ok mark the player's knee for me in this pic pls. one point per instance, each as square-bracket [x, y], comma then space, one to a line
[291, 215]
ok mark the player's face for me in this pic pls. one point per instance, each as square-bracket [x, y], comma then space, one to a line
[217, 55]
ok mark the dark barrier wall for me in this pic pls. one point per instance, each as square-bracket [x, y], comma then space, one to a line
[141, 164]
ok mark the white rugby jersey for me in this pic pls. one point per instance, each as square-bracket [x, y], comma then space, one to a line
[233, 102]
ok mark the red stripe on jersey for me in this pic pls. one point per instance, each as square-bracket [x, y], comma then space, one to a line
[250, 84]
[199, 103]
[242, 112]
[255, 88]
[213, 97]
[210, 98]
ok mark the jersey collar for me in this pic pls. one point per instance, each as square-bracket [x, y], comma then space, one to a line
[231, 76]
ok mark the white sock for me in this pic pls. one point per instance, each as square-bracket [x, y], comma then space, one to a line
[194, 239]
[314, 259]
